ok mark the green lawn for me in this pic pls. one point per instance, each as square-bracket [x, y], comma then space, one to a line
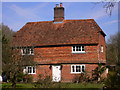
[62, 85]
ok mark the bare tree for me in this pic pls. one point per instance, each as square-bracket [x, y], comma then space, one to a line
[113, 55]
[108, 5]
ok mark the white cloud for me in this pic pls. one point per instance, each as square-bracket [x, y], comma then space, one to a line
[98, 14]
[28, 13]
[111, 22]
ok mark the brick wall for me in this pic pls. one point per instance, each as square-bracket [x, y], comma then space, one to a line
[64, 55]
[66, 75]
[42, 71]
[102, 55]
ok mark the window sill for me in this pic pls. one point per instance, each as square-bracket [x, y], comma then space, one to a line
[79, 52]
[27, 54]
[76, 72]
[31, 73]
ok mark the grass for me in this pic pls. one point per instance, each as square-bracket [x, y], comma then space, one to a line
[19, 85]
[62, 85]
[88, 85]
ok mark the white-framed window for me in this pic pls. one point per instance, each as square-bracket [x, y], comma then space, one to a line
[27, 51]
[78, 49]
[101, 48]
[30, 70]
[77, 68]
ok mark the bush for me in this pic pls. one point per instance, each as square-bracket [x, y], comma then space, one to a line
[20, 77]
[43, 82]
[82, 78]
[28, 78]
[113, 80]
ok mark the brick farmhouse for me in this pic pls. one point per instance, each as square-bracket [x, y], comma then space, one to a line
[62, 48]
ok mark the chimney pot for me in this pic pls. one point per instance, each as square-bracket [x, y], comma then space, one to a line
[57, 5]
[61, 5]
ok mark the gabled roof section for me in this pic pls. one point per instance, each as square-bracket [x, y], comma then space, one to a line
[51, 33]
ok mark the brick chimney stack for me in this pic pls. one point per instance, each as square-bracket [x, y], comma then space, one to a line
[58, 13]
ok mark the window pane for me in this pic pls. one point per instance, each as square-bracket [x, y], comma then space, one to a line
[29, 70]
[73, 69]
[83, 68]
[77, 68]
[32, 51]
[83, 48]
[27, 51]
[77, 48]
[33, 69]
[24, 51]
[73, 48]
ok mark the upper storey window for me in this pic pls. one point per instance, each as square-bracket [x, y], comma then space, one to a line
[78, 49]
[27, 51]
[101, 49]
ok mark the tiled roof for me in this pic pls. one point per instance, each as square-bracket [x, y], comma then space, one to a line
[54, 33]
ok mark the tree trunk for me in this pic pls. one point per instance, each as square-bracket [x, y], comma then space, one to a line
[14, 81]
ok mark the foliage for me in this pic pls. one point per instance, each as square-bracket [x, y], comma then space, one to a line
[43, 82]
[7, 32]
[82, 78]
[96, 74]
[12, 61]
[113, 56]
[27, 78]
[113, 80]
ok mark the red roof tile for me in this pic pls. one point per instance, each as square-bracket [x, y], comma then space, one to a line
[53, 33]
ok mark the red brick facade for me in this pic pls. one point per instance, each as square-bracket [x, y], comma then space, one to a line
[62, 55]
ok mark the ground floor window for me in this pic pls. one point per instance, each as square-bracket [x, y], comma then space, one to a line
[77, 68]
[30, 70]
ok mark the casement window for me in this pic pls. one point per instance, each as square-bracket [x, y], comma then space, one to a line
[30, 70]
[27, 51]
[78, 49]
[77, 68]
[101, 48]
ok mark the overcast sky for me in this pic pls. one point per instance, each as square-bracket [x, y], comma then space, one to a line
[16, 15]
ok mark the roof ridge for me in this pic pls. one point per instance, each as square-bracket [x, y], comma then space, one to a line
[63, 21]
[39, 22]
[78, 19]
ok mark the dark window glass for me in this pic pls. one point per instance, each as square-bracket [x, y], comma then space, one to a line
[77, 48]
[73, 48]
[83, 69]
[33, 69]
[77, 68]
[32, 51]
[29, 70]
[73, 69]
[83, 48]
[27, 51]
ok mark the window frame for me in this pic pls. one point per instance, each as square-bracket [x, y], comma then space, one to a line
[81, 69]
[80, 47]
[31, 51]
[27, 68]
